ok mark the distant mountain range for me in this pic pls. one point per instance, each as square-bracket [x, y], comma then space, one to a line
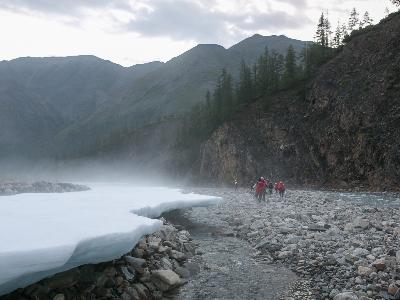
[66, 104]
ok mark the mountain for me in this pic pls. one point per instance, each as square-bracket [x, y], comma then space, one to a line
[41, 96]
[69, 105]
[341, 130]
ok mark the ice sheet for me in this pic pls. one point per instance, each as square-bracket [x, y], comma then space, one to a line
[42, 234]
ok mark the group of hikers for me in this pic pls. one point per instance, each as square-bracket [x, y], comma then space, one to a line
[262, 185]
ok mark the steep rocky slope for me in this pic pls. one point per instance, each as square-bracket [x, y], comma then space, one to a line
[343, 130]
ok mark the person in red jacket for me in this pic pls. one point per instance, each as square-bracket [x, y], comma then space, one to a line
[281, 188]
[260, 189]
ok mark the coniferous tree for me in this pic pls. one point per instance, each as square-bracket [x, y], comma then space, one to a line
[367, 20]
[396, 2]
[289, 76]
[321, 35]
[353, 20]
[245, 91]
[328, 32]
[338, 37]
[263, 69]
[345, 32]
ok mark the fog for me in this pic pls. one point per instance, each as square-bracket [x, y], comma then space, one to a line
[86, 170]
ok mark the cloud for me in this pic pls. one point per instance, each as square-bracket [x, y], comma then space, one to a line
[62, 7]
[183, 19]
[194, 20]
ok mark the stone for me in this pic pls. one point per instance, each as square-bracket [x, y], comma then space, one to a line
[142, 290]
[179, 256]
[133, 293]
[128, 275]
[64, 280]
[165, 280]
[364, 271]
[379, 264]
[346, 296]
[257, 225]
[59, 297]
[360, 252]
[135, 262]
[284, 254]
[182, 272]
[393, 289]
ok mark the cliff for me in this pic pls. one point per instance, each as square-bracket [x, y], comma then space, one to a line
[341, 130]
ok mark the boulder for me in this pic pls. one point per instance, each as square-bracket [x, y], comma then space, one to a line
[346, 296]
[379, 264]
[364, 271]
[165, 280]
[393, 289]
[59, 297]
[135, 262]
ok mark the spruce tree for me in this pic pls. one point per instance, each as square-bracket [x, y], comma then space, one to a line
[328, 32]
[396, 2]
[366, 21]
[289, 76]
[320, 34]
[353, 20]
[245, 91]
[338, 37]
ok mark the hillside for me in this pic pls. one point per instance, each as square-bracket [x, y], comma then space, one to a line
[63, 106]
[341, 130]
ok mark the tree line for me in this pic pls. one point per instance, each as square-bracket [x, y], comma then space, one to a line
[271, 73]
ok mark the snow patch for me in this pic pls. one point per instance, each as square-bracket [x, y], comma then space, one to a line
[43, 234]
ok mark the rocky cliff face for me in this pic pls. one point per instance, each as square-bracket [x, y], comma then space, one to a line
[343, 131]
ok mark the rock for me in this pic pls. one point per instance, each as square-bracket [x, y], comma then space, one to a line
[284, 254]
[182, 272]
[379, 264]
[192, 268]
[393, 289]
[165, 280]
[135, 262]
[143, 292]
[333, 293]
[364, 271]
[59, 297]
[126, 296]
[257, 225]
[346, 296]
[179, 256]
[64, 280]
[132, 292]
[360, 252]
[128, 275]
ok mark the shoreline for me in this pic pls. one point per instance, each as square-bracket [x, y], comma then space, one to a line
[153, 269]
[8, 188]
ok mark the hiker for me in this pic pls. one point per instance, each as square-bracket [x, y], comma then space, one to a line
[276, 188]
[235, 182]
[270, 187]
[281, 188]
[260, 189]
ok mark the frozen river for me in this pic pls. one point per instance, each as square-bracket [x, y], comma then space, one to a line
[43, 234]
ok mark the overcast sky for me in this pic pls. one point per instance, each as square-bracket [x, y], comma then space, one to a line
[137, 31]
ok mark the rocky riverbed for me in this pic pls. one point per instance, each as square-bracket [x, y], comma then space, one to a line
[12, 187]
[344, 245]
